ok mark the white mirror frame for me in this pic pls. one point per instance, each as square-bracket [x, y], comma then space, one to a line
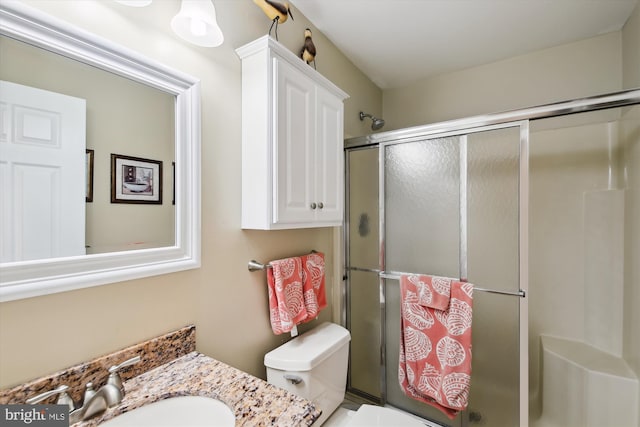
[27, 279]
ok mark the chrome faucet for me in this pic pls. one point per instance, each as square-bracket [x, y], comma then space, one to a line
[63, 397]
[94, 402]
[114, 373]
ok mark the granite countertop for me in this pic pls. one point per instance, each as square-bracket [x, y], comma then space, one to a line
[253, 400]
[170, 367]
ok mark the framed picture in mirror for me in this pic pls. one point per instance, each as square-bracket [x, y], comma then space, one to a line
[89, 175]
[135, 180]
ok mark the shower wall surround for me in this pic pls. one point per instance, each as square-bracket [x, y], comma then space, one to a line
[582, 202]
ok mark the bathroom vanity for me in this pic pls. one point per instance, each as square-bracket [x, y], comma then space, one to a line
[170, 367]
[253, 401]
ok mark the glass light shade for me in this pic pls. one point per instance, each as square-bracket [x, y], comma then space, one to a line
[135, 3]
[196, 23]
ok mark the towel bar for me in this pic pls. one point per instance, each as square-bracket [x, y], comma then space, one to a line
[395, 275]
[256, 266]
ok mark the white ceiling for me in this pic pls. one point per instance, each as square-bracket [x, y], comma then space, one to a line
[398, 42]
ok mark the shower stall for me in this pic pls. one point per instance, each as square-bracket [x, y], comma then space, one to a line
[540, 210]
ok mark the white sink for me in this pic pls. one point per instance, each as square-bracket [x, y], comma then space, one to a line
[182, 411]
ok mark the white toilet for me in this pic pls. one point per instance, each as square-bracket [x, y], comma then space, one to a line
[314, 366]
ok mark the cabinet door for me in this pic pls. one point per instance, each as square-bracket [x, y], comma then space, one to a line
[329, 158]
[294, 127]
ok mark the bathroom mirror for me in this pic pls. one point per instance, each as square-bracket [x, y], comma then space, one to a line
[176, 144]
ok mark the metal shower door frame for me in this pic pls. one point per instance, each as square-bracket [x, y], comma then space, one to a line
[523, 242]
[467, 125]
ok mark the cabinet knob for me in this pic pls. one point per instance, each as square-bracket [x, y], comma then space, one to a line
[313, 205]
[320, 205]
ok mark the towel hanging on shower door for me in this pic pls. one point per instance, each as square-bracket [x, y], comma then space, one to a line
[435, 341]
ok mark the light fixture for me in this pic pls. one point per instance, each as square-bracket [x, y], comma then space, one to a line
[135, 3]
[196, 23]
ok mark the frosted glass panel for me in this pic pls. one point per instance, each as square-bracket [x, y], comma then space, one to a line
[424, 184]
[364, 310]
[363, 208]
[363, 287]
[492, 214]
[422, 205]
[422, 233]
[493, 263]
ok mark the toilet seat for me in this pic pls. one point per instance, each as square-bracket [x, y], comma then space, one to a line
[376, 416]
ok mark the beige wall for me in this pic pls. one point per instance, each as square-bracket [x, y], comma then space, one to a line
[575, 70]
[226, 302]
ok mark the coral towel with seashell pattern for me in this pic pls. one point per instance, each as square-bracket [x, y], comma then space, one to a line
[296, 291]
[435, 341]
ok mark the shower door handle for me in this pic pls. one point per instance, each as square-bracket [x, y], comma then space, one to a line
[320, 205]
[313, 205]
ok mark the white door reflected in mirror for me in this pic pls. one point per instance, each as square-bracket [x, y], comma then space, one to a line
[43, 189]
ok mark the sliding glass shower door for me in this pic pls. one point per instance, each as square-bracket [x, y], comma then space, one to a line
[445, 205]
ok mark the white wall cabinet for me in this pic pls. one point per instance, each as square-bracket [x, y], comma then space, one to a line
[292, 141]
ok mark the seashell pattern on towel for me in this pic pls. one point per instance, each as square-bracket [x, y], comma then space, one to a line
[315, 266]
[283, 313]
[456, 388]
[294, 298]
[288, 267]
[450, 352]
[442, 316]
[429, 380]
[459, 318]
[468, 289]
[286, 298]
[435, 344]
[311, 303]
[296, 291]
[425, 295]
[442, 285]
[417, 345]
[431, 291]
[418, 316]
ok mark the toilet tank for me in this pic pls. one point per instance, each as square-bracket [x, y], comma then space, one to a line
[314, 366]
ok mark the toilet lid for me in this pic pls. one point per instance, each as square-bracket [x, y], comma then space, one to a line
[376, 416]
